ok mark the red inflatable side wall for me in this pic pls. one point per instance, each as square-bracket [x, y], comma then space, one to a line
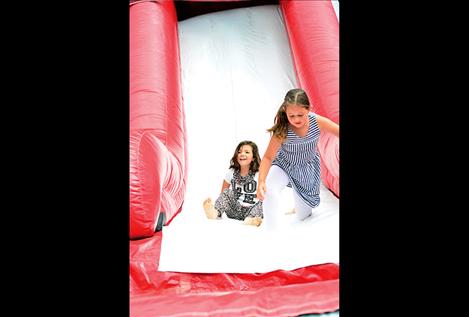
[158, 152]
[313, 32]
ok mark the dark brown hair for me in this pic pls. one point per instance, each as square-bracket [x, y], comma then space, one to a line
[294, 96]
[256, 160]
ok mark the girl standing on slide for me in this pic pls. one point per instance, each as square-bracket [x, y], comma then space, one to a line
[292, 158]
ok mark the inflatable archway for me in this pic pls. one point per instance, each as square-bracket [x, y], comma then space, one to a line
[159, 166]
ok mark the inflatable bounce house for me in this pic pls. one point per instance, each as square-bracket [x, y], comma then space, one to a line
[205, 75]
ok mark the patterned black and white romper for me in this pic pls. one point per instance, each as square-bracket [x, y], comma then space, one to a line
[239, 200]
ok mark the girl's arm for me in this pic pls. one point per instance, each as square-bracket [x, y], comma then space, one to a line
[327, 125]
[266, 162]
[225, 185]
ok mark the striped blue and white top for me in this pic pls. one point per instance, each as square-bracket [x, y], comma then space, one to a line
[299, 158]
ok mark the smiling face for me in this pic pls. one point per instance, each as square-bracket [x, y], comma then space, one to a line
[297, 115]
[245, 155]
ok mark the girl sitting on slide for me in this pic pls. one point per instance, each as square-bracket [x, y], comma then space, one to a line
[238, 193]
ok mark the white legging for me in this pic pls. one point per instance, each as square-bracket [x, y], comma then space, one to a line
[275, 182]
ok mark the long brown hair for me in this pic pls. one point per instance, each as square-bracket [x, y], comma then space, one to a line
[256, 159]
[294, 96]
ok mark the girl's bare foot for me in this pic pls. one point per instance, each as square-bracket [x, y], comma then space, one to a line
[210, 211]
[292, 211]
[253, 221]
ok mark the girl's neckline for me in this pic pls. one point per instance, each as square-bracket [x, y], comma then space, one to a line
[306, 132]
[244, 175]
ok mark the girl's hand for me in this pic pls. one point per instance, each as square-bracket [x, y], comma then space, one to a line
[261, 190]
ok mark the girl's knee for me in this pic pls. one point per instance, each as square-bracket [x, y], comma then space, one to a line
[273, 188]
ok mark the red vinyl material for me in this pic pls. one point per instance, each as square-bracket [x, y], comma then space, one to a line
[158, 158]
[313, 31]
[312, 289]
[158, 169]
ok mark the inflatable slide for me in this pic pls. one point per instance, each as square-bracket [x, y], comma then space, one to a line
[204, 76]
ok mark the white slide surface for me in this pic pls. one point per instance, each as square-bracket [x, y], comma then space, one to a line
[236, 67]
